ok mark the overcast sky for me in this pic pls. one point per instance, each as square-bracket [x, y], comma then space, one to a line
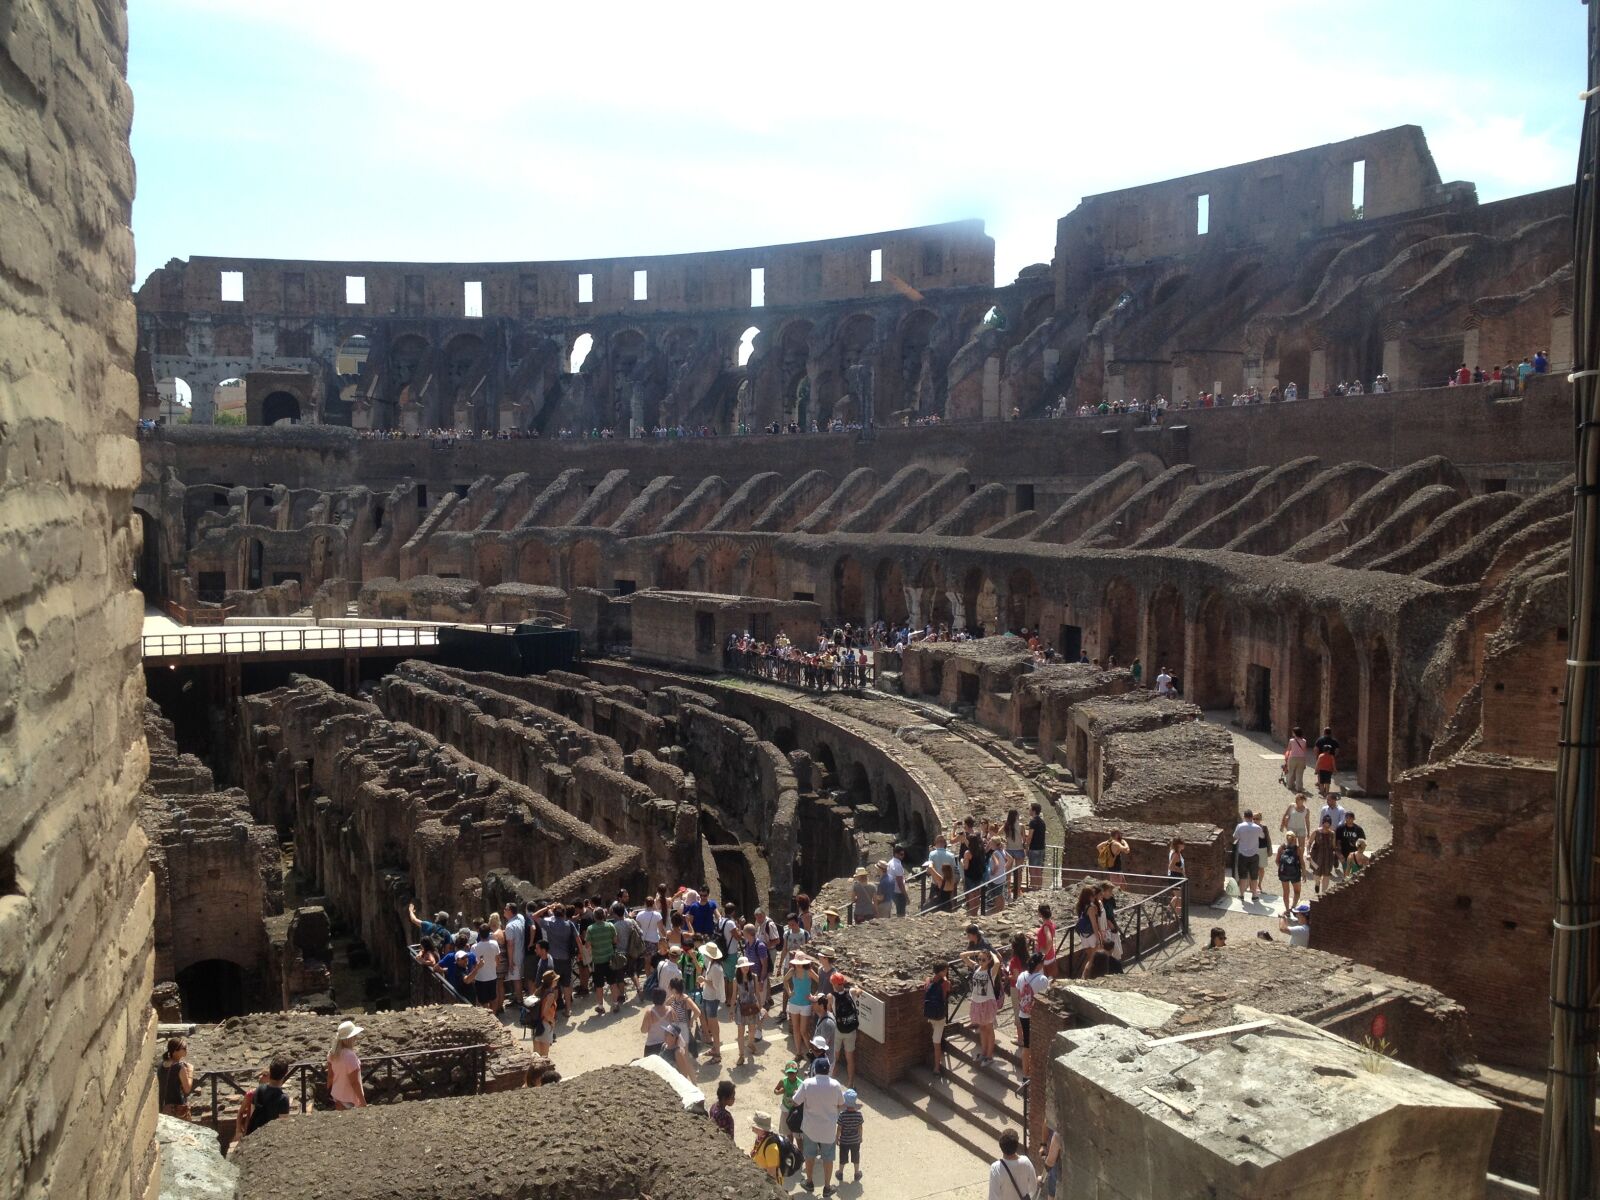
[352, 129]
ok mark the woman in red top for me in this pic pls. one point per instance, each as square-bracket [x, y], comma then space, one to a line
[1044, 939]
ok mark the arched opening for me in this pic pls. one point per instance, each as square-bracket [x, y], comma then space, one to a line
[581, 346]
[891, 593]
[212, 989]
[583, 565]
[857, 784]
[849, 594]
[727, 562]
[995, 318]
[1212, 685]
[280, 406]
[1022, 602]
[783, 738]
[636, 403]
[533, 565]
[853, 400]
[794, 380]
[228, 402]
[672, 568]
[933, 600]
[1341, 686]
[747, 345]
[255, 555]
[763, 579]
[147, 567]
[1376, 706]
[980, 603]
[1167, 289]
[915, 376]
[827, 773]
[1167, 640]
[1119, 624]
[176, 400]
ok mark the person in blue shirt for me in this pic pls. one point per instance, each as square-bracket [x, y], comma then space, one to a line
[436, 928]
[702, 914]
[1541, 362]
[459, 964]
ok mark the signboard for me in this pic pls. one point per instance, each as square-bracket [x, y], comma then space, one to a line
[871, 1010]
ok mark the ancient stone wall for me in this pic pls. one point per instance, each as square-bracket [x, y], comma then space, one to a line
[76, 900]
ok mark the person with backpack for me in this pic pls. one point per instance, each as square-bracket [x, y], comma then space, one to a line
[265, 1102]
[768, 1151]
[819, 1101]
[847, 1020]
[1109, 853]
[629, 955]
[942, 871]
[935, 997]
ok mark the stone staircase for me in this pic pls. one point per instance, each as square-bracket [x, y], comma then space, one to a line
[971, 1104]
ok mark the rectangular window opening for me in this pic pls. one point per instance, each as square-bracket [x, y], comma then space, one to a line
[355, 289]
[1202, 214]
[758, 286]
[422, 495]
[875, 272]
[1358, 188]
[585, 288]
[472, 298]
[233, 286]
[641, 285]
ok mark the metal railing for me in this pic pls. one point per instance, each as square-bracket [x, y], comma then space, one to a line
[429, 986]
[288, 640]
[451, 1071]
[800, 675]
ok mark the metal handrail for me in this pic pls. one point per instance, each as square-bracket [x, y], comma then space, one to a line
[377, 1074]
[290, 639]
[788, 672]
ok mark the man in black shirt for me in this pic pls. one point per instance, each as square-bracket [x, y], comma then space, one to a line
[1036, 836]
[1327, 742]
[265, 1102]
[1349, 834]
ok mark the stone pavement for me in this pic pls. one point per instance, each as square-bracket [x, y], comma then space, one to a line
[902, 1158]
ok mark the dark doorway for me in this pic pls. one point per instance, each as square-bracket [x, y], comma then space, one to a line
[253, 570]
[1258, 697]
[213, 990]
[147, 569]
[1071, 642]
[280, 406]
[705, 633]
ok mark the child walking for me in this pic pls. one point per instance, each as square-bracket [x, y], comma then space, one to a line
[850, 1122]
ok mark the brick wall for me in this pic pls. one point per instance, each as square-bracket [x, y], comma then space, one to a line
[1472, 847]
[76, 1116]
[907, 1042]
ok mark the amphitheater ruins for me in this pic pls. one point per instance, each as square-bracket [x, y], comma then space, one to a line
[479, 611]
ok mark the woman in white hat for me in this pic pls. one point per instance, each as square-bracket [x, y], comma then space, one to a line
[344, 1068]
[802, 979]
[713, 986]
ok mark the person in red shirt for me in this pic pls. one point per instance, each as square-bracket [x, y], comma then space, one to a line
[1463, 375]
[1044, 939]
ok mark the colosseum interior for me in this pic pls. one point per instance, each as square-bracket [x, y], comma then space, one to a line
[456, 623]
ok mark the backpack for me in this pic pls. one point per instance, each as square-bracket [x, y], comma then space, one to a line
[1106, 856]
[846, 1016]
[789, 1160]
[933, 1002]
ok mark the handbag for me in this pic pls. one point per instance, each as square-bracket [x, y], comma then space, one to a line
[794, 1117]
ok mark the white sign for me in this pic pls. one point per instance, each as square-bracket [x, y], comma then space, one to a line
[870, 1008]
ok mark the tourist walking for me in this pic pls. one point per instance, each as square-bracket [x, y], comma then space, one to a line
[1325, 854]
[821, 1099]
[1011, 1177]
[896, 870]
[344, 1068]
[265, 1102]
[601, 940]
[1351, 838]
[746, 1009]
[1290, 867]
[176, 1079]
[1327, 749]
[851, 1124]
[1294, 761]
[1036, 839]
[1298, 819]
[1248, 839]
[847, 1020]
[863, 897]
[801, 979]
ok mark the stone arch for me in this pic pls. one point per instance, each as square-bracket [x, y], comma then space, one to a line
[280, 406]
[980, 602]
[1038, 310]
[1341, 681]
[849, 591]
[583, 565]
[1168, 288]
[213, 989]
[890, 590]
[1023, 602]
[728, 563]
[1167, 639]
[1119, 623]
[1211, 678]
[533, 565]
[911, 377]
[147, 566]
[763, 579]
[933, 601]
[673, 566]
[1377, 705]
[793, 369]
[579, 348]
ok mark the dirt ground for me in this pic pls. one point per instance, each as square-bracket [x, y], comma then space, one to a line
[616, 1134]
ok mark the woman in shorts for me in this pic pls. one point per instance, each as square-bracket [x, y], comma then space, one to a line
[802, 979]
[985, 998]
[545, 1001]
[746, 1009]
[1291, 866]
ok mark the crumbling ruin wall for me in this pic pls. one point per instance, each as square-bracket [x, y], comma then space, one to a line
[76, 897]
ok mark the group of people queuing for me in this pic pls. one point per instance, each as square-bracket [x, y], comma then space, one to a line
[983, 864]
[832, 663]
[1513, 373]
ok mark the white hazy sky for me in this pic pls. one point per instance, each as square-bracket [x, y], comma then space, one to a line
[503, 131]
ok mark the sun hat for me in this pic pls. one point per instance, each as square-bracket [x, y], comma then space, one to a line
[820, 1042]
[830, 912]
[711, 950]
[762, 1121]
[743, 962]
[850, 1097]
[348, 1029]
[861, 873]
[801, 960]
